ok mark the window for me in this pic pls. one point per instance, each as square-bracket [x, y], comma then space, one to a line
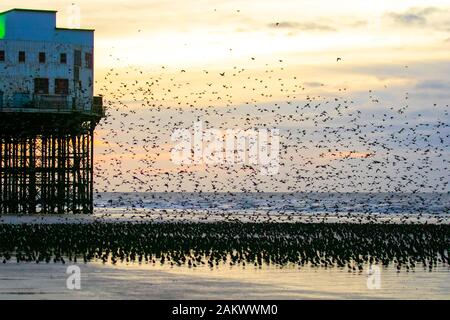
[62, 86]
[41, 57]
[63, 58]
[89, 61]
[41, 85]
[77, 58]
[2, 55]
[21, 56]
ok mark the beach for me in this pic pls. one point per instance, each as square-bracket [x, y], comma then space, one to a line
[134, 281]
[144, 259]
[267, 246]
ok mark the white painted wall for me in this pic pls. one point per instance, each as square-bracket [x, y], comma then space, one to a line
[34, 32]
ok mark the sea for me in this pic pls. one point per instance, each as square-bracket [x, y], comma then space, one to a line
[293, 203]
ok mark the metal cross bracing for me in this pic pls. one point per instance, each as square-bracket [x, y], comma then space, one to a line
[47, 168]
[47, 174]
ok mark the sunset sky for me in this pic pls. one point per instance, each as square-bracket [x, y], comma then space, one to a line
[284, 50]
[200, 33]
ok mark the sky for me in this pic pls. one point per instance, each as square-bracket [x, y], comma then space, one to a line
[153, 57]
[199, 33]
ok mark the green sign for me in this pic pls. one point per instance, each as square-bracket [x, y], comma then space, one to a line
[2, 26]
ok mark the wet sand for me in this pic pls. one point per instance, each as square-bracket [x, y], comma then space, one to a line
[134, 281]
[282, 261]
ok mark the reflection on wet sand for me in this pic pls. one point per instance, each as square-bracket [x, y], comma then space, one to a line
[144, 281]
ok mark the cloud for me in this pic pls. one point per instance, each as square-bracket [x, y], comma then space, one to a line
[313, 84]
[408, 19]
[433, 85]
[413, 16]
[304, 26]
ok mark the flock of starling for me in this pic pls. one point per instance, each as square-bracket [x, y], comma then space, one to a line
[332, 245]
[369, 155]
[332, 141]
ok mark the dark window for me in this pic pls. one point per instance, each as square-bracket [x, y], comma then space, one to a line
[41, 85]
[2, 55]
[21, 56]
[41, 57]
[89, 60]
[63, 58]
[76, 73]
[62, 86]
[77, 58]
